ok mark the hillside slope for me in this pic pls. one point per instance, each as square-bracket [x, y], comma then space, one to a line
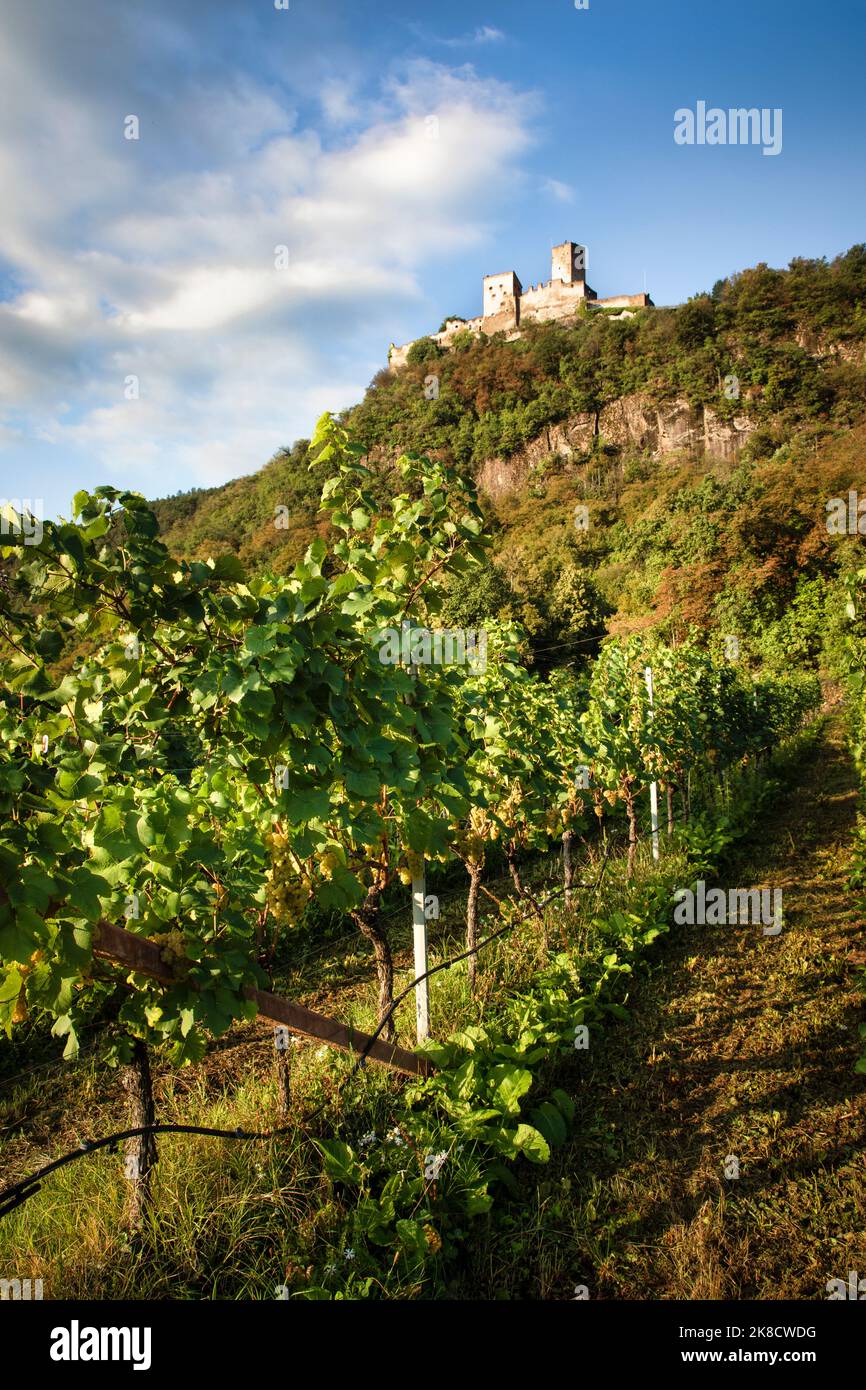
[703, 440]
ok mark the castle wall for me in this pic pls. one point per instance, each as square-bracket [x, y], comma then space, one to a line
[398, 356]
[626, 301]
[455, 326]
[555, 300]
[502, 323]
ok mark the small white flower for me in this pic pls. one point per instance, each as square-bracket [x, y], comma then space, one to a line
[367, 1139]
[433, 1165]
[349, 1253]
[395, 1137]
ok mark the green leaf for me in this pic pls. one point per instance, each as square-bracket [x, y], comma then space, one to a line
[340, 1162]
[508, 1085]
[478, 1201]
[345, 584]
[412, 1237]
[532, 1144]
[145, 832]
[63, 1028]
[565, 1103]
[499, 1173]
[20, 937]
[190, 1049]
[228, 566]
[548, 1120]
[363, 783]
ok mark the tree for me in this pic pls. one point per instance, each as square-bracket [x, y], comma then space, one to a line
[423, 350]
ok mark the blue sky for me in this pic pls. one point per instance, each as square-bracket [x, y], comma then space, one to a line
[154, 259]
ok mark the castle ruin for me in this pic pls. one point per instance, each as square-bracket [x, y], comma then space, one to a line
[506, 305]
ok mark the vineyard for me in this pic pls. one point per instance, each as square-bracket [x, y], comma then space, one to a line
[226, 768]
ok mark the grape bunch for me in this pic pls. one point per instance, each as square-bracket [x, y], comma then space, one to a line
[288, 890]
[470, 842]
[172, 945]
[21, 1013]
[410, 865]
[510, 808]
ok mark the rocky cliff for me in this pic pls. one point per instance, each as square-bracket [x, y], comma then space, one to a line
[631, 422]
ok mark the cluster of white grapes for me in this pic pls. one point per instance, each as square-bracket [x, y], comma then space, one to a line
[409, 866]
[480, 828]
[288, 887]
[172, 945]
[557, 820]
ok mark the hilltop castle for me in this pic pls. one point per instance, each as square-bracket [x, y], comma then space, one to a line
[506, 305]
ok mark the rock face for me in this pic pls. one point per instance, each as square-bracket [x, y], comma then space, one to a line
[633, 421]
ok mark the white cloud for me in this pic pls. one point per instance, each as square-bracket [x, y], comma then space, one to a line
[156, 257]
[563, 192]
[482, 34]
[339, 100]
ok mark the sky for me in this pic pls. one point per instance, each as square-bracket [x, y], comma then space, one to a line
[314, 182]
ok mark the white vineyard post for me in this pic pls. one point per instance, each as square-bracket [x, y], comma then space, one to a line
[419, 936]
[654, 786]
[419, 942]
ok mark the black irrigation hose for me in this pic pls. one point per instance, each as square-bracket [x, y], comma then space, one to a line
[15, 1195]
[18, 1193]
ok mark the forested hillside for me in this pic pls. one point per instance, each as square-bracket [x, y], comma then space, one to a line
[672, 537]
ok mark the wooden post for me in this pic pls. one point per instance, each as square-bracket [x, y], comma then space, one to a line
[419, 938]
[143, 956]
[654, 787]
[473, 868]
[283, 1068]
[140, 1150]
[567, 870]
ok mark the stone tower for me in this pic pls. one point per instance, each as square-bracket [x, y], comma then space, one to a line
[568, 264]
[501, 300]
[500, 293]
